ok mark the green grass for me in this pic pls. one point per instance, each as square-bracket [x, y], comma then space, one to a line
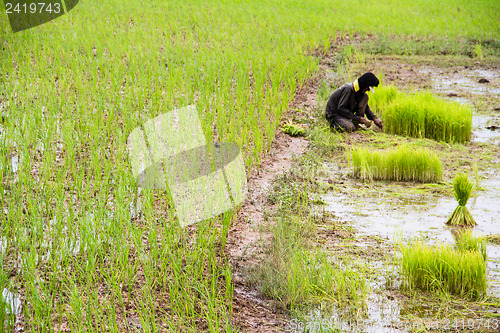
[443, 269]
[423, 115]
[72, 90]
[404, 163]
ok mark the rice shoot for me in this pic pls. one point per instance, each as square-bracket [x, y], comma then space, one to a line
[466, 241]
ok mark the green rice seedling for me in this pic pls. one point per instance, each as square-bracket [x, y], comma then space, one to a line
[294, 273]
[401, 164]
[426, 116]
[463, 189]
[466, 241]
[444, 269]
[292, 129]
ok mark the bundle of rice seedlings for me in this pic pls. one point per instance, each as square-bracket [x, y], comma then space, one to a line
[293, 130]
[444, 269]
[463, 189]
[401, 164]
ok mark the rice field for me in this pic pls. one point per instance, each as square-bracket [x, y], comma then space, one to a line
[83, 247]
[404, 163]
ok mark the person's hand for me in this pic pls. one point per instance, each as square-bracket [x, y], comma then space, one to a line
[366, 122]
[378, 122]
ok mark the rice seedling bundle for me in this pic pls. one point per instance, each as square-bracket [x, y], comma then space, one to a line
[444, 269]
[401, 164]
[425, 116]
[463, 189]
[293, 130]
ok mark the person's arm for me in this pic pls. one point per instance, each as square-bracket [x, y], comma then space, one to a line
[370, 115]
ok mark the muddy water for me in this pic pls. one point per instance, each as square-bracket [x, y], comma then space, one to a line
[464, 81]
[418, 215]
[486, 129]
[410, 216]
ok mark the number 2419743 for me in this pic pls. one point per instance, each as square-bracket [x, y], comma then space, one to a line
[33, 8]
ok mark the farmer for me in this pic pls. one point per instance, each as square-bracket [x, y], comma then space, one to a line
[348, 105]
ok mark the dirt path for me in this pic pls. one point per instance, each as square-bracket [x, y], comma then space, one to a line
[251, 313]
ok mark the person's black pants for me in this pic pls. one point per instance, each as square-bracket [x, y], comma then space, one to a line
[340, 123]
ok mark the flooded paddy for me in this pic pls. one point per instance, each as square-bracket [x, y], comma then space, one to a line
[396, 213]
[416, 215]
[486, 128]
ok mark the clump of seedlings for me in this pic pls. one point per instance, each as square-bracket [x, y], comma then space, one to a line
[424, 115]
[293, 130]
[401, 164]
[461, 215]
[445, 269]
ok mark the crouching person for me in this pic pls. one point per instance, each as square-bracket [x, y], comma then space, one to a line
[348, 105]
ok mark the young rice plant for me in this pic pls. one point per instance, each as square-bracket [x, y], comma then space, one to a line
[293, 130]
[466, 241]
